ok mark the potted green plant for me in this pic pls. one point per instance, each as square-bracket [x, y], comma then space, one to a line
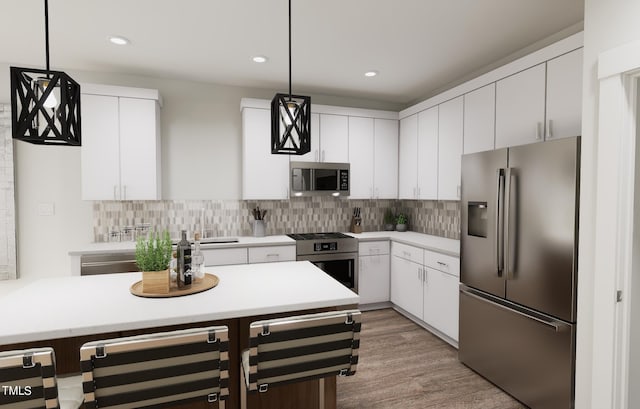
[389, 220]
[401, 222]
[153, 255]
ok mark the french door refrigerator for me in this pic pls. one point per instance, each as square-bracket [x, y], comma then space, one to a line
[519, 269]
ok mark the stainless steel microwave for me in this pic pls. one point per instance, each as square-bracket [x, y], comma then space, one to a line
[319, 179]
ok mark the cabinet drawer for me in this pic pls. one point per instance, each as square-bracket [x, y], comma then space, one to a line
[373, 248]
[407, 252]
[446, 264]
[271, 254]
[222, 257]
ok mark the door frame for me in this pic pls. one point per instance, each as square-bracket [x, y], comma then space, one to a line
[618, 75]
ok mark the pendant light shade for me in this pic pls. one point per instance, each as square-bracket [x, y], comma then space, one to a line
[45, 104]
[290, 118]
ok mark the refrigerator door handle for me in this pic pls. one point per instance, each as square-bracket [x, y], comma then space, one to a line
[557, 326]
[508, 255]
[499, 221]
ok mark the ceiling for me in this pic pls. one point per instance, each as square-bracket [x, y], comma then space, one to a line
[418, 47]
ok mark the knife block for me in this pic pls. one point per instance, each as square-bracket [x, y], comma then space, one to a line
[356, 225]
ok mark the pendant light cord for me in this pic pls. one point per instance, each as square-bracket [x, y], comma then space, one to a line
[46, 30]
[289, 50]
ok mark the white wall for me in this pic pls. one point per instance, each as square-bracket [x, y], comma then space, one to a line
[201, 159]
[608, 23]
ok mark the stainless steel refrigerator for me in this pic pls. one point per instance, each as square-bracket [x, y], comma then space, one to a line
[518, 273]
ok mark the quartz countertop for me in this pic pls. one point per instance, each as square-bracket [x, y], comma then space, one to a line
[72, 306]
[435, 243]
[130, 246]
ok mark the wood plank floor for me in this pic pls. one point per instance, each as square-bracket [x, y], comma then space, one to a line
[404, 366]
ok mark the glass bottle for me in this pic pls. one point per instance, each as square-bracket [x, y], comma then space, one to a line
[184, 276]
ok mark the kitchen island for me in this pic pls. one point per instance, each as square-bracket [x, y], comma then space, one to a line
[65, 312]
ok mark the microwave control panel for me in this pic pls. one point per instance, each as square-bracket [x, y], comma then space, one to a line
[344, 179]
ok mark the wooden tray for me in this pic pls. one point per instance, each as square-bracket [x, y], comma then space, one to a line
[208, 282]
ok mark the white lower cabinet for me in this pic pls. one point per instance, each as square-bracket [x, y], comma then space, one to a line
[373, 272]
[223, 257]
[429, 294]
[271, 254]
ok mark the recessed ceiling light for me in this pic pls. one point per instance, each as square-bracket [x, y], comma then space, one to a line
[371, 73]
[117, 40]
[259, 59]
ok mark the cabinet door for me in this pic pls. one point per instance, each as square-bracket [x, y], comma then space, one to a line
[406, 285]
[100, 148]
[385, 162]
[479, 119]
[520, 101]
[334, 138]
[408, 157]
[361, 146]
[564, 96]
[373, 279]
[428, 154]
[139, 149]
[264, 176]
[450, 149]
[314, 154]
[441, 302]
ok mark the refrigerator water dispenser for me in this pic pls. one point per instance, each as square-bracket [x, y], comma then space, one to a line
[477, 225]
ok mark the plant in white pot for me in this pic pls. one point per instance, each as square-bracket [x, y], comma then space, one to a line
[401, 222]
[153, 256]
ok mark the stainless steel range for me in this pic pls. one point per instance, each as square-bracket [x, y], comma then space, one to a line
[334, 253]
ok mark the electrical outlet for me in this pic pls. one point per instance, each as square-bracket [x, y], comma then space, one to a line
[46, 209]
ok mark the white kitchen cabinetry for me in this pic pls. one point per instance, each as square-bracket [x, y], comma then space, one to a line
[480, 119]
[120, 152]
[520, 107]
[223, 257]
[385, 162]
[429, 294]
[373, 272]
[408, 158]
[329, 139]
[564, 96]
[428, 154]
[334, 138]
[418, 167]
[373, 154]
[450, 125]
[270, 254]
[361, 157]
[264, 176]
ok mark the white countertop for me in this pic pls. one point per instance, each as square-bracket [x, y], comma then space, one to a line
[72, 306]
[130, 246]
[426, 241]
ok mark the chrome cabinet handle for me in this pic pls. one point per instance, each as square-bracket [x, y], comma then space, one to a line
[538, 130]
[549, 129]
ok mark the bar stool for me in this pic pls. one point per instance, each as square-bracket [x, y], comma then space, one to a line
[300, 348]
[157, 369]
[28, 380]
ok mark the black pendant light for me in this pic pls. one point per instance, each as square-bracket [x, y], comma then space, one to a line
[45, 104]
[290, 118]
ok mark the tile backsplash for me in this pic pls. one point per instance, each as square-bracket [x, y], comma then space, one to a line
[7, 198]
[297, 215]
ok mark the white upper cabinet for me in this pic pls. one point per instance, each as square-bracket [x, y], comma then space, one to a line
[334, 138]
[264, 175]
[428, 154]
[520, 107]
[314, 153]
[480, 119]
[120, 152]
[361, 157]
[373, 154]
[564, 96]
[450, 149]
[385, 162]
[408, 158]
